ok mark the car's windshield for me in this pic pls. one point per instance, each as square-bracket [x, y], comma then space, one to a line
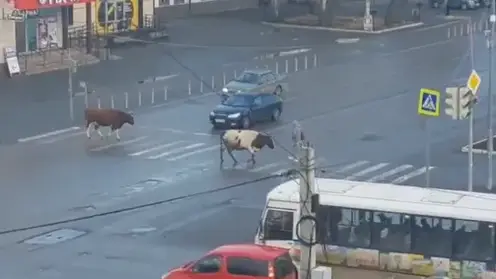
[239, 101]
[247, 77]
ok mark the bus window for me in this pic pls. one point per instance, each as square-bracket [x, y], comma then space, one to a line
[432, 236]
[473, 240]
[354, 228]
[391, 231]
[278, 225]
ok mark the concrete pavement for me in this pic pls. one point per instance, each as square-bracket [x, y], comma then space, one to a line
[357, 108]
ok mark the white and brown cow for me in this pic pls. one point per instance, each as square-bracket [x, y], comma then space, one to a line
[112, 118]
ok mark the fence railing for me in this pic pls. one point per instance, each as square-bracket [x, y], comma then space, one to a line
[161, 91]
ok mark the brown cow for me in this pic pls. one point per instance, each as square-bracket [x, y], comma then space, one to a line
[106, 117]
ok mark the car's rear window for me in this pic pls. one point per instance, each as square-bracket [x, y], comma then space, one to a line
[247, 266]
[239, 100]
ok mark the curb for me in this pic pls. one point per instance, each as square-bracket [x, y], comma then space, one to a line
[286, 25]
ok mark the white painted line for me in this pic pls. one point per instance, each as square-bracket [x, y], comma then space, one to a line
[410, 175]
[50, 134]
[267, 166]
[63, 137]
[437, 26]
[202, 134]
[366, 171]
[384, 175]
[203, 150]
[293, 52]
[191, 146]
[347, 40]
[158, 147]
[352, 166]
[279, 172]
[120, 143]
[410, 49]
[284, 25]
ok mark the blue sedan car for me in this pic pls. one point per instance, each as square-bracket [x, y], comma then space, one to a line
[245, 109]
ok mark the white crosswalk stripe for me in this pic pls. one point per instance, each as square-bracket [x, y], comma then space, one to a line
[173, 148]
[380, 172]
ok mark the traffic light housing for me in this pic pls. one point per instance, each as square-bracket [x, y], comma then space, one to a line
[459, 101]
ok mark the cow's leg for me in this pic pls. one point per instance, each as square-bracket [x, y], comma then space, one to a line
[111, 130]
[117, 136]
[89, 126]
[229, 151]
[97, 128]
[252, 153]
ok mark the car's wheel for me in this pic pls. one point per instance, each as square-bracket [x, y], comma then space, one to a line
[245, 122]
[276, 114]
[278, 90]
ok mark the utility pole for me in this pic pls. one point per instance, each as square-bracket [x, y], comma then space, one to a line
[70, 89]
[490, 45]
[307, 228]
[471, 118]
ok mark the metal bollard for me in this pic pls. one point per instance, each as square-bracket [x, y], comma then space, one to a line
[454, 31]
[306, 62]
[315, 60]
[235, 74]
[468, 28]
[201, 84]
[213, 83]
[165, 93]
[126, 100]
[287, 66]
[277, 67]
[461, 30]
[189, 87]
[223, 79]
[296, 64]
[139, 99]
[112, 101]
[449, 33]
[153, 96]
[99, 102]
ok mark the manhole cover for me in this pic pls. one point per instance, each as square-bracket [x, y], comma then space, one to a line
[55, 237]
[370, 137]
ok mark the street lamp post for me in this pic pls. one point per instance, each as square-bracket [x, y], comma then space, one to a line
[489, 34]
[70, 89]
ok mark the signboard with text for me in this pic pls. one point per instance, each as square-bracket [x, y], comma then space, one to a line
[42, 4]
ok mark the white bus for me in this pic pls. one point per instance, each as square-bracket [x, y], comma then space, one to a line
[420, 231]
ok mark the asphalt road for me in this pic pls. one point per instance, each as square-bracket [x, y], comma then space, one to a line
[358, 108]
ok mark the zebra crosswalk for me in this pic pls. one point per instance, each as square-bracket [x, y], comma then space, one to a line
[380, 172]
[177, 148]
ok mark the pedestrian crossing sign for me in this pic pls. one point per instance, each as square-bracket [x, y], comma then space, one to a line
[428, 104]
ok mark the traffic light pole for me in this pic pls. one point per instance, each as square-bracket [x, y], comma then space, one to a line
[490, 148]
[471, 121]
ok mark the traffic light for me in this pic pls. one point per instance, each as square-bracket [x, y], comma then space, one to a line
[466, 102]
[452, 102]
[459, 101]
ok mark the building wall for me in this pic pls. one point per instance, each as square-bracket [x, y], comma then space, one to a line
[7, 30]
[80, 12]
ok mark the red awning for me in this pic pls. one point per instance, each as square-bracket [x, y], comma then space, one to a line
[41, 4]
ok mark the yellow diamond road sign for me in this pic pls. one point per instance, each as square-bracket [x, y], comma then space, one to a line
[473, 82]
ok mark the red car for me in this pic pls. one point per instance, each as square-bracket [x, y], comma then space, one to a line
[239, 261]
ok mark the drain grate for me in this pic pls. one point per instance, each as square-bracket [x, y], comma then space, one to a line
[55, 237]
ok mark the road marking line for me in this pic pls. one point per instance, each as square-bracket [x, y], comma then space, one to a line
[162, 146]
[267, 166]
[203, 150]
[410, 175]
[410, 49]
[352, 166]
[384, 175]
[120, 143]
[279, 172]
[436, 26]
[191, 146]
[366, 171]
[202, 134]
[63, 137]
[49, 134]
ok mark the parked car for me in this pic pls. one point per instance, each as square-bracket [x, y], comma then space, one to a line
[258, 80]
[244, 109]
[239, 261]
